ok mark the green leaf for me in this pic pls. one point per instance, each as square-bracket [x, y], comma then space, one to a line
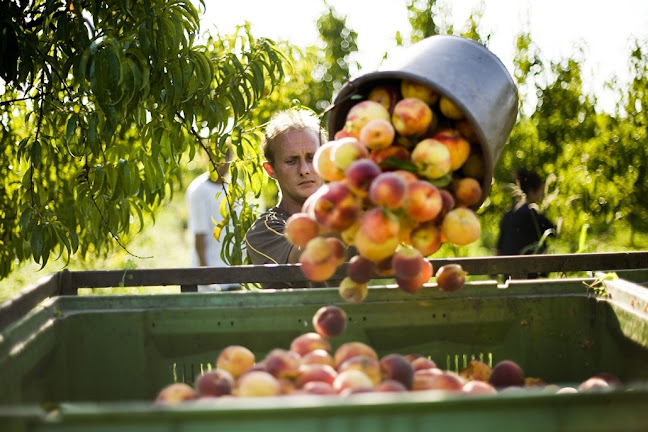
[71, 125]
[36, 153]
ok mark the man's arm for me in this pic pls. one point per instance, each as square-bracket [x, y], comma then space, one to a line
[200, 243]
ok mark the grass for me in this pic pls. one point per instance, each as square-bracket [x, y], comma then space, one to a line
[164, 244]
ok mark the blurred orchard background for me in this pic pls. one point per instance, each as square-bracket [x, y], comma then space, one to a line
[110, 109]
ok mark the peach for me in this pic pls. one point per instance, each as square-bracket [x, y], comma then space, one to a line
[346, 150]
[348, 235]
[282, 363]
[360, 270]
[235, 359]
[318, 260]
[301, 228]
[506, 373]
[315, 372]
[468, 191]
[446, 380]
[476, 370]
[318, 388]
[258, 384]
[466, 130]
[360, 174]
[450, 277]
[388, 190]
[386, 95]
[449, 109]
[415, 283]
[415, 89]
[216, 382]
[307, 342]
[424, 378]
[411, 116]
[390, 385]
[611, 379]
[366, 364]
[352, 349]
[407, 262]
[474, 166]
[422, 362]
[176, 393]
[379, 224]
[478, 387]
[448, 203]
[323, 163]
[423, 201]
[318, 356]
[375, 250]
[432, 159]
[460, 226]
[336, 206]
[352, 379]
[407, 176]
[384, 267]
[390, 158]
[456, 144]
[361, 113]
[351, 291]
[330, 321]
[397, 367]
[426, 238]
[338, 248]
[377, 134]
[594, 384]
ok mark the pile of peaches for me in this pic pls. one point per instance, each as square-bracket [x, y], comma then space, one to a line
[401, 177]
[311, 367]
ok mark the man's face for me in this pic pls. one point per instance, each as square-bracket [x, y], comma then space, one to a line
[293, 164]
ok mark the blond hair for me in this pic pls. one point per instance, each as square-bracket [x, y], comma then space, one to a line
[286, 121]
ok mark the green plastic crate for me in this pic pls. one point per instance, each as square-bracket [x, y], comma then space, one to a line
[97, 362]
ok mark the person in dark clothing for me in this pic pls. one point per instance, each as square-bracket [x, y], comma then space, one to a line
[524, 229]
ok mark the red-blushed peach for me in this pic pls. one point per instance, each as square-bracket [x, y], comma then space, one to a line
[476, 370]
[310, 341]
[351, 291]
[426, 238]
[378, 250]
[336, 206]
[352, 379]
[448, 203]
[611, 379]
[390, 385]
[318, 356]
[432, 159]
[415, 283]
[385, 94]
[411, 116]
[258, 384]
[323, 163]
[506, 373]
[352, 349]
[450, 277]
[338, 248]
[422, 362]
[379, 224]
[301, 228]
[216, 382]
[478, 388]
[360, 174]
[415, 89]
[594, 384]
[390, 157]
[377, 134]
[282, 363]
[176, 393]
[366, 364]
[318, 260]
[397, 367]
[468, 191]
[318, 388]
[447, 380]
[342, 133]
[423, 201]
[315, 372]
[330, 321]
[474, 167]
[457, 145]
[407, 176]
[388, 190]
[348, 235]
[460, 226]
[466, 130]
[407, 262]
[235, 359]
[424, 378]
[346, 150]
[361, 113]
[360, 270]
[449, 109]
[384, 267]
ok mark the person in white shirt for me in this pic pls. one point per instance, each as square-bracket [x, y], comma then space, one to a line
[203, 197]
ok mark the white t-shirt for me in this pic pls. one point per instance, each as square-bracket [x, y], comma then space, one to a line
[203, 205]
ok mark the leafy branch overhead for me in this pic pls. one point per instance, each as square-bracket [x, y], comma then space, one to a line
[102, 101]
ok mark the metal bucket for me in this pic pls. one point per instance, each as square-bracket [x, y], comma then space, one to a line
[462, 70]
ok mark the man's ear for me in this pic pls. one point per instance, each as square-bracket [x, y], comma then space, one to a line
[269, 169]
